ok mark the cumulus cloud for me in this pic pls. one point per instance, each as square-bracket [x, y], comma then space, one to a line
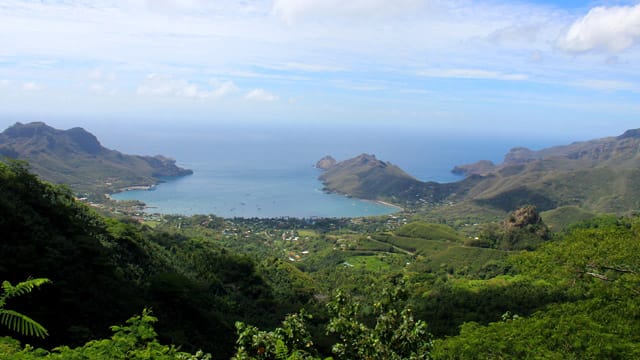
[472, 74]
[291, 11]
[260, 95]
[162, 85]
[612, 29]
[222, 88]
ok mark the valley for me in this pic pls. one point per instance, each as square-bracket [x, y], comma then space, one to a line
[465, 266]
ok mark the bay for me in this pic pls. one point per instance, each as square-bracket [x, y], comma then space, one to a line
[267, 171]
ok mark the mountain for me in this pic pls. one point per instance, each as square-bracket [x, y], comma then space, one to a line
[325, 163]
[75, 157]
[366, 177]
[601, 175]
[616, 152]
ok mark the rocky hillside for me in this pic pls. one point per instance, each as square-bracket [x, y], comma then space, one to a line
[75, 157]
[601, 175]
[326, 162]
[366, 177]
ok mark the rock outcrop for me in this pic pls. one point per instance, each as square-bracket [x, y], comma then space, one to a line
[326, 163]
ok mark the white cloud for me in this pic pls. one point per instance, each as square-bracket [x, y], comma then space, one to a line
[4, 82]
[102, 82]
[370, 85]
[31, 86]
[173, 4]
[162, 85]
[98, 74]
[291, 11]
[612, 29]
[472, 74]
[369, 44]
[196, 7]
[102, 89]
[308, 67]
[260, 95]
[608, 85]
[222, 88]
[515, 34]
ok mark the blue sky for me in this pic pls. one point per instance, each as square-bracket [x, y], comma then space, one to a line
[477, 66]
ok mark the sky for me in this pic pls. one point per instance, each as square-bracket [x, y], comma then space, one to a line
[509, 67]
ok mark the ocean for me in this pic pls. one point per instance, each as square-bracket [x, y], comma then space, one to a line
[267, 171]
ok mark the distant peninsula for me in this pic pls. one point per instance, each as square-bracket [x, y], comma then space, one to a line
[326, 162]
[366, 177]
[75, 157]
[601, 175]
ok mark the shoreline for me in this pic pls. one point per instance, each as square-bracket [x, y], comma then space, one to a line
[380, 202]
[390, 205]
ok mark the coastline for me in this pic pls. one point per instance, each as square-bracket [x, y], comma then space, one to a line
[400, 208]
[137, 187]
[380, 202]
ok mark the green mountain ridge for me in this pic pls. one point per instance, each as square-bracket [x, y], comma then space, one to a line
[601, 175]
[104, 270]
[574, 296]
[366, 177]
[75, 157]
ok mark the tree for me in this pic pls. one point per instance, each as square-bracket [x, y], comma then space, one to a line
[14, 320]
[396, 334]
[136, 340]
[292, 341]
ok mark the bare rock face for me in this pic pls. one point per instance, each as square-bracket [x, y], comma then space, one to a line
[326, 163]
[522, 217]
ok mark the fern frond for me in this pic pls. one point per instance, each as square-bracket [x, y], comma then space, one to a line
[22, 288]
[21, 323]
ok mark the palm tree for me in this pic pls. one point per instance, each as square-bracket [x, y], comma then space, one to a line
[14, 320]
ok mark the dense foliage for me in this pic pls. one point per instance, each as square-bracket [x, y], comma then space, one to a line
[135, 340]
[103, 270]
[14, 320]
[377, 288]
[596, 265]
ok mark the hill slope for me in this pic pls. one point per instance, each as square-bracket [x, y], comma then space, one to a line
[366, 177]
[601, 175]
[104, 270]
[75, 157]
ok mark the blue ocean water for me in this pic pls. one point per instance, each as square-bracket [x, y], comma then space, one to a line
[267, 171]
